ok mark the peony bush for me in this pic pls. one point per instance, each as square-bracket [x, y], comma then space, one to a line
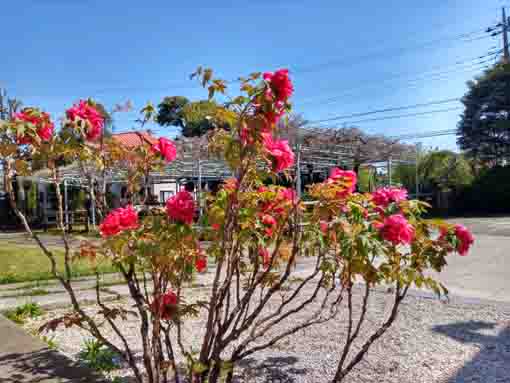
[258, 234]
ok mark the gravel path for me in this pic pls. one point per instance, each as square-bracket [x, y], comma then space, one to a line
[432, 341]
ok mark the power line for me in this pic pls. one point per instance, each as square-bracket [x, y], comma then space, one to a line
[391, 109]
[466, 65]
[382, 52]
[437, 133]
[304, 70]
[395, 117]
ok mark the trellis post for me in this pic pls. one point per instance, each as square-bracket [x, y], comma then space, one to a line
[298, 171]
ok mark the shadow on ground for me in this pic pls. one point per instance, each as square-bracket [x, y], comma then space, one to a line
[492, 363]
[43, 366]
[270, 370]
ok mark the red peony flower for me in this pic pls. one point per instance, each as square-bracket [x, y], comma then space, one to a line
[128, 218]
[119, 220]
[279, 150]
[201, 263]
[346, 178]
[280, 85]
[397, 230]
[40, 120]
[87, 112]
[386, 195]
[166, 305]
[110, 225]
[269, 222]
[166, 148]
[465, 239]
[181, 207]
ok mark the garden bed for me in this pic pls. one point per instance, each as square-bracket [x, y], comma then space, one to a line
[432, 341]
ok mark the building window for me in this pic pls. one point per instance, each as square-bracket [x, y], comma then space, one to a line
[165, 194]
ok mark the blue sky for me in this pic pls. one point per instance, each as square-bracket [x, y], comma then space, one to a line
[345, 57]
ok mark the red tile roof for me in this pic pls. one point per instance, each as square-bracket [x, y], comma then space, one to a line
[133, 140]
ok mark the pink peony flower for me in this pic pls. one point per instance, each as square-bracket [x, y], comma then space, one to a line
[280, 85]
[269, 222]
[181, 207]
[397, 230]
[166, 305]
[201, 263]
[465, 239]
[166, 148]
[40, 120]
[110, 225]
[386, 195]
[279, 150]
[128, 217]
[347, 178]
[118, 220]
[85, 111]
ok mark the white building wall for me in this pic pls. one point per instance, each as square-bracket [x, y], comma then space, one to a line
[164, 191]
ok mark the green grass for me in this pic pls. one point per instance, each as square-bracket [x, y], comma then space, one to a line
[99, 357]
[28, 263]
[78, 230]
[21, 313]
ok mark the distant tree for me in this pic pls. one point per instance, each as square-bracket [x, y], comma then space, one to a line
[437, 170]
[194, 118]
[484, 128]
[359, 147]
[108, 120]
[8, 106]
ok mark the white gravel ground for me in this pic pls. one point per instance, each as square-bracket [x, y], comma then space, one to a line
[432, 341]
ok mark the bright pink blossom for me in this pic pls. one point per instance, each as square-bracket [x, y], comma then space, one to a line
[166, 148]
[397, 230]
[201, 263]
[465, 239]
[346, 178]
[386, 195]
[280, 84]
[166, 305]
[118, 220]
[269, 224]
[85, 111]
[181, 207]
[40, 120]
[281, 153]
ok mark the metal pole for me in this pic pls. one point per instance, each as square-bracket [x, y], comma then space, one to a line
[506, 54]
[199, 184]
[389, 171]
[93, 203]
[298, 171]
[418, 149]
[65, 204]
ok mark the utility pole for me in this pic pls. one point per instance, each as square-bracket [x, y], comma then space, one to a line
[506, 53]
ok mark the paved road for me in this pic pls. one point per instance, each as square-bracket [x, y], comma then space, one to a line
[25, 359]
[485, 272]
